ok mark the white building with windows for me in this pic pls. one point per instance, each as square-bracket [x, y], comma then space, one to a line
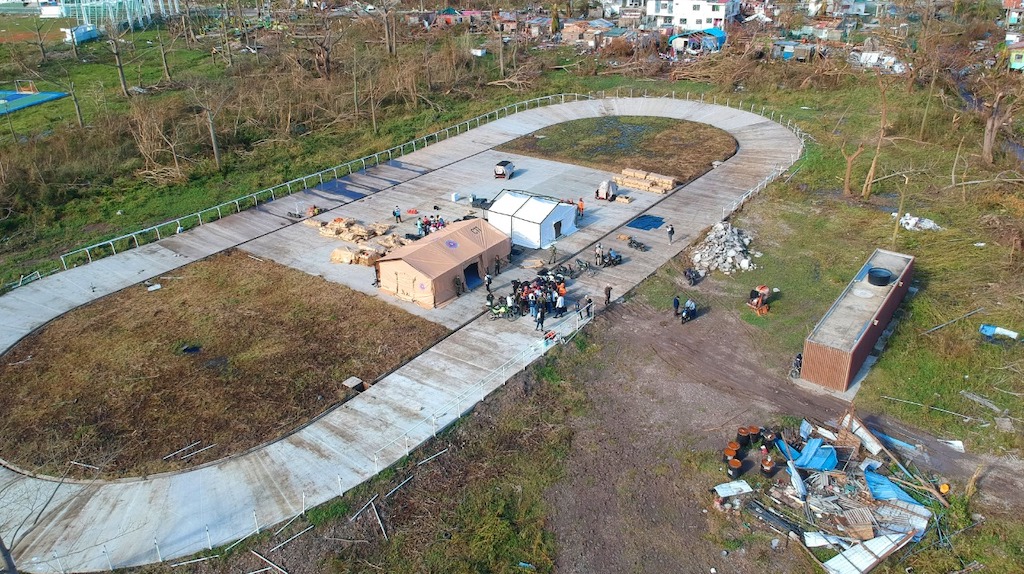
[690, 15]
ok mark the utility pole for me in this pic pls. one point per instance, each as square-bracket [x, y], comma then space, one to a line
[8, 559]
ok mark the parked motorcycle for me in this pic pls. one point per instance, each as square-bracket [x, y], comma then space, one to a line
[798, 365]
[633, 243]
[611, 261]
[503, 311]
[688, 312]
[692, 276]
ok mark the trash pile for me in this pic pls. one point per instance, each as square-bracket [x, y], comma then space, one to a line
[724, 249]
[843, 486]
[911, 223]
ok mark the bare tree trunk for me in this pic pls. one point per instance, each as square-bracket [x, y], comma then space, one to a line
[163, 57]
[847, 191]
[213, 138]
[39, 41]
[373, 107]
[115, 47]
[927, 105]
[74, 44]
[226, 42]
[355, 90]
[899, 214]
[501, 55]
[998, 113]
[74, 100]
[869, 180]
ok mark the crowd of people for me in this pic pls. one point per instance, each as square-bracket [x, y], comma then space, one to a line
[428, 224]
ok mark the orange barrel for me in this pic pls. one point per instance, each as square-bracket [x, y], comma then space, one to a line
[728, 454]
[735, 468]
[733, 445]
[754, 432]
[743, 436]
[767, 466]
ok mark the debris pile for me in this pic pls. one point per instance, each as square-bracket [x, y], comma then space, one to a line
[359, 257]
[348, 229]
[911, 223]
[843, 486]
[390, 242]
[726, 249]
[645, 181]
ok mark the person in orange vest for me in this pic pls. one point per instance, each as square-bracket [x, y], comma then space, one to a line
[579, 209]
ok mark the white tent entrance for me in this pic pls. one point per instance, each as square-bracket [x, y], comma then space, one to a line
[532, 221]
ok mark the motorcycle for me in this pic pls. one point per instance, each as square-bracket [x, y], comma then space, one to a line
[502, 311]
[633, 243]
[798, 364]
[692, 276]
[585, 267]
[610, 261]
[556, 275]
[689, 312]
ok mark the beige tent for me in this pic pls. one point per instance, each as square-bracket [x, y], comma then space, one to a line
[426, 271]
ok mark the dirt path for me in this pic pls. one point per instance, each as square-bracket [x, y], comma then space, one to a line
[663, 390]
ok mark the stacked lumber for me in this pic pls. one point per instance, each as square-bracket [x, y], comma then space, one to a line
[623, 199]
[645, 181]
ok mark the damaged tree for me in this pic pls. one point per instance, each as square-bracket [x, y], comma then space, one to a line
[850, 158]
[883, 87]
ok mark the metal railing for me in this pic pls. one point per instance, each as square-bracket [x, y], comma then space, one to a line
[87, 254]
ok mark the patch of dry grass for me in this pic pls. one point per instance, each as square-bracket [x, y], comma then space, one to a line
[109, 385]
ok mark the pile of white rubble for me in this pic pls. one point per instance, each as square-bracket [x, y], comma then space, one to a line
[726, 249]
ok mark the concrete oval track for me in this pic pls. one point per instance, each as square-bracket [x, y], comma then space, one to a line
[58, 526]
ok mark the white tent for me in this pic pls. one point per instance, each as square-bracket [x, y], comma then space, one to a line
[531, 221]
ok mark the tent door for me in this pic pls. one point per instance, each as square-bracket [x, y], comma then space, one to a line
[558, 229]
[473, 279]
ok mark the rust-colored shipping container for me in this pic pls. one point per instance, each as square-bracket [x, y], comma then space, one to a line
[840, 343]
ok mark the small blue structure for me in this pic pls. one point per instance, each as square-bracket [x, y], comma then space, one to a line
[708, 40]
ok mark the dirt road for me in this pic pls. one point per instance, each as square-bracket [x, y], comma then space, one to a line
[663, 389]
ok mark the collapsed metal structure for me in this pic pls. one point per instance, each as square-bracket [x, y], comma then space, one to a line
[130, 13]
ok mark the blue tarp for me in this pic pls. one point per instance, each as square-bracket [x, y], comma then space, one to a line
[884, 489]
[646, 222]
[787, 451]
[817, 456]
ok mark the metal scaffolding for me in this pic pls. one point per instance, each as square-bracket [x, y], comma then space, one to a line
[130, 13]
